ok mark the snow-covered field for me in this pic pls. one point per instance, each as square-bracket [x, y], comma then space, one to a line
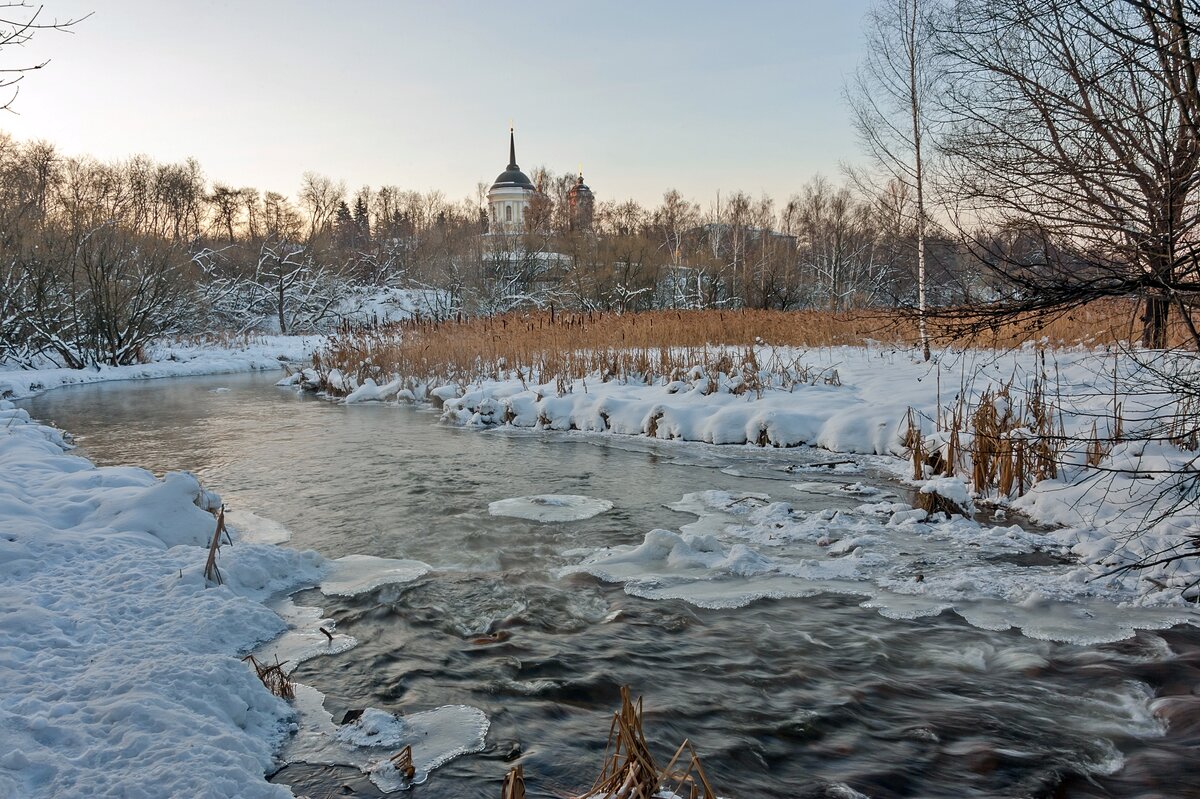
[120, 669]
[857, 401]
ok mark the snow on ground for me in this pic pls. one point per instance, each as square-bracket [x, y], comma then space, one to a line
[857, 400]
[173, 359]
[120, 669]
[375, 305]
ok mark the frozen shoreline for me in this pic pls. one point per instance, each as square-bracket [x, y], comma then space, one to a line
[175, 359]
[120, 668]
[864, 411]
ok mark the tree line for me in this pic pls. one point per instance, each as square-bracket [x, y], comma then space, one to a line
[1026, 156]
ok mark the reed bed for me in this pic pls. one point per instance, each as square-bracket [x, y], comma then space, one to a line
[1003, 443]
[544, 346]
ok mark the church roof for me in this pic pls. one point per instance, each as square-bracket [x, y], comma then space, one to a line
[580, 188]
[513, 177]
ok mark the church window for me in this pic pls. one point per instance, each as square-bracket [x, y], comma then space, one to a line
[508, 213]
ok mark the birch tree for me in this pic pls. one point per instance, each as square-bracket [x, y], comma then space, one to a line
[888, 99]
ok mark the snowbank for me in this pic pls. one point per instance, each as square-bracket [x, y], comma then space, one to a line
[119, 667]
[168, 360]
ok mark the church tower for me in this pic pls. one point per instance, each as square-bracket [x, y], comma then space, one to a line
[510, 195]
[581, 203]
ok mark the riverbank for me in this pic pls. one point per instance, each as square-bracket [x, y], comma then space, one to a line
[1088, 432]
[121, 670]
[168, 359]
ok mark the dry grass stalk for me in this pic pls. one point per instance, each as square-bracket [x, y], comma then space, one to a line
[273, 677]
[211, 573]
[403, 762]
[914, 442]
[693, 777]
[514, 783]
[548, 347]
[629, 771]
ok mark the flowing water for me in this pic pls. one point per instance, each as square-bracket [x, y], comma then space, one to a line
[788, 697]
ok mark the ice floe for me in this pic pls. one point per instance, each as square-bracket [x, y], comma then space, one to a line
[436, 736]
[357, 574]
[550, 507]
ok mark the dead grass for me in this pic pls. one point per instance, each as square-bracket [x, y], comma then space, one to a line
[546, 346]
[629, 771]
[272, 675]
[1002, 443]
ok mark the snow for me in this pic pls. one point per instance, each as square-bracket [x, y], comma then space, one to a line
[120, 664]
[901, 562]
[866, 411]
[381, 305]
[175, 359]
[119, 667]
[550, 507]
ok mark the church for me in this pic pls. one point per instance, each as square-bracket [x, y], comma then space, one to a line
[513, 193]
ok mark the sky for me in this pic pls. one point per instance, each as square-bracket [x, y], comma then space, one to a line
[647, 96]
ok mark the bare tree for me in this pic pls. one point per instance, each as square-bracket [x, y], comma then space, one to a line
[888, 99]
[1075, 123]
[19, 22]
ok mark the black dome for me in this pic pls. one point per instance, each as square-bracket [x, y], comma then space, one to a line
[513, 178]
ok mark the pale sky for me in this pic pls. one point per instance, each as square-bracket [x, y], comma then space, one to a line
[690, 94]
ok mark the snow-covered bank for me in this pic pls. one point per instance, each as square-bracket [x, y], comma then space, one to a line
[857, 400]
[120, 665]
[176, 359]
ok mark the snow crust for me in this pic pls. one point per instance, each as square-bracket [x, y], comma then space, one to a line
[171, 359]
[436, 737]
[550, 507]
[866, 411]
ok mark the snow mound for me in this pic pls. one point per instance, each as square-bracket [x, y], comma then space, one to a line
[358, 574]
[119, 668]
[550, 507]
[436, 737]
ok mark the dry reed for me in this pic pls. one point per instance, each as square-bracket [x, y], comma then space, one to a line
[211, 573]
[629, 771]
[403, 762]
[272, 675]
[545, 347]
[514, 783]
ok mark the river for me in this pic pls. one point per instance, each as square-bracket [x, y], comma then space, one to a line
[786, 697]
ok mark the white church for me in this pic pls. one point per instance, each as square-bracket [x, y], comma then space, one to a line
[513, 192]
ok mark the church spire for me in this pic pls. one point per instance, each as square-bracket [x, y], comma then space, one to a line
[512, 149]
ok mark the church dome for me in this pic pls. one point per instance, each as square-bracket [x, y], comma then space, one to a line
[513, 177]
[580, 189]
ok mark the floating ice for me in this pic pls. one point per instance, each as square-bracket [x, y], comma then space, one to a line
[257, 529]
[357, 574]
[550, 507]
[303, 639]
[744, 547]
[436, 737]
